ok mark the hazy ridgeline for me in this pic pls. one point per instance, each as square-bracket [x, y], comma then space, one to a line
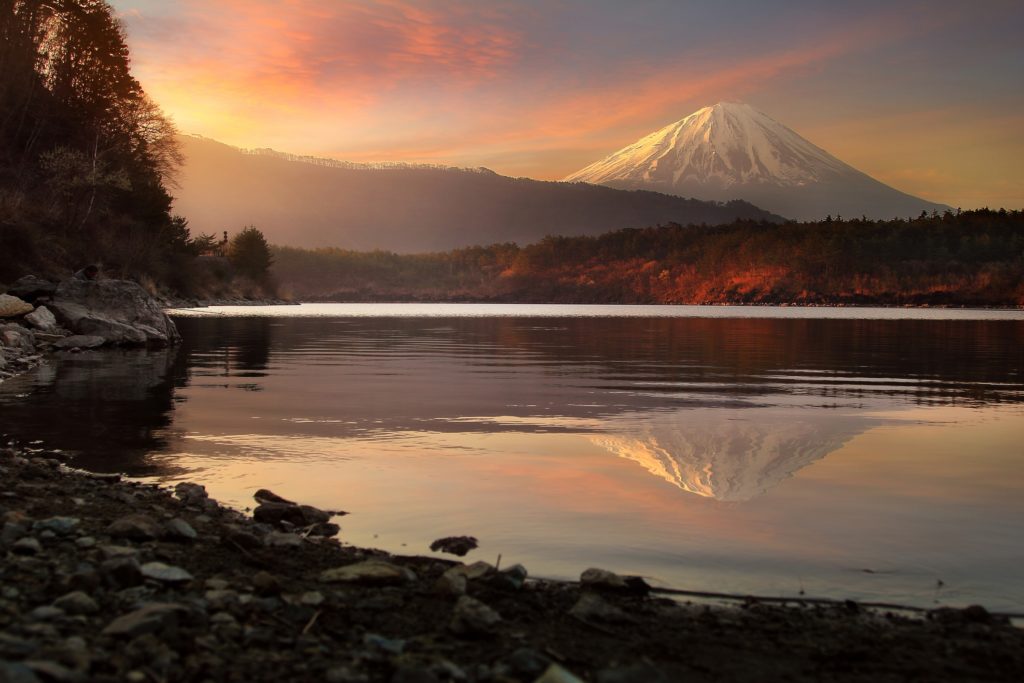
[968, 258]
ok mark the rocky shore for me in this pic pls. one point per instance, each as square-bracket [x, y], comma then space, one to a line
[39, 316]
[107, 580]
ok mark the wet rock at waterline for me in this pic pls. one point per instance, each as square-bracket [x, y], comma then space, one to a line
[120, 311]
[454, 545]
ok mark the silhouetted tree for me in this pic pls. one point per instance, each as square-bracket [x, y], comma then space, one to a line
[250, 254]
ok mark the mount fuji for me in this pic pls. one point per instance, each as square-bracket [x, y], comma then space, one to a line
[733, 151]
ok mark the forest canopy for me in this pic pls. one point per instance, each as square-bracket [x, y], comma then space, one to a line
[85, 156]
[971, 258]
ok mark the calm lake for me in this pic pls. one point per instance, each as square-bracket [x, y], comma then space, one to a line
[876, 454]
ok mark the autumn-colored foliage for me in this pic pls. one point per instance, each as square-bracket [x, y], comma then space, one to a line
[962, 258]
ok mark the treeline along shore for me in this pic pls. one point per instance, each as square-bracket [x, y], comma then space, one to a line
[969, 258]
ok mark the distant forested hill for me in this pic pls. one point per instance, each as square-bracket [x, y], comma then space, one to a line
[970, 258]
[307, 202]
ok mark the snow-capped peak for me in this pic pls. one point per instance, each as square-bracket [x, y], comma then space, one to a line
[723, 145]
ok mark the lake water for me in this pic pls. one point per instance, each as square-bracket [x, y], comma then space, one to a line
[876, 454]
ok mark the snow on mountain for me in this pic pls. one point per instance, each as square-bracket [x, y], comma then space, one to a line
[734, 456]
[733, 151]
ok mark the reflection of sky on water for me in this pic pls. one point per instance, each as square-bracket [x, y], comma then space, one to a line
[817, 448]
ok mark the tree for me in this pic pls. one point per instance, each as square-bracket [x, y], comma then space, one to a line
[250, 254]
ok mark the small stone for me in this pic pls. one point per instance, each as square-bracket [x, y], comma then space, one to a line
[370, 572]
[557, 674]
[236, 536]
[451, 583]
[593, 608]
[454, 545]
[61, 526]
[16, 672]
[52, 671]
[12, 306]
[636, 673]
[136, 527]
[27, 546]
[266, 583]
[77, 602]
[344, 674]
[179, 529]
[391, 646]
[216, 584]
[220, 599]
[525, 664]
[165, 573]
[473, 618]
[602, 579]
[12, 531]
[112, 551]
[191, 494]
[280, 539]
[223, 619]
[46, 613]
[122, 572]
[148, 619]
[298, 515]
[42, 319]
[85, 542]
[312, 598]
[268, 496]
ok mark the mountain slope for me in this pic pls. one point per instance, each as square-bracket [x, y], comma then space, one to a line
[307, 202]
[733, 151]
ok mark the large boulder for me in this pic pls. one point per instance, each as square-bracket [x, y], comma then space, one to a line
[120, 311]
[13, 307]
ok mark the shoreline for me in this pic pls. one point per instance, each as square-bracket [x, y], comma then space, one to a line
[106, 579]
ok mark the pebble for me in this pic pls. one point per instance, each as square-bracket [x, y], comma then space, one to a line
[181, 530]
[473, 618]
[312, 598]
[148, 619]
[451, 583]
[591, 607]
[280, 539]
[136, 527]
[46, 613]
[62, 526]
[122, 571]
[524, 664]
[27, 546]
[636, 673]
[15, 672]
[557, 674]
[266, 583]
[370, 572]
[602, 579]
[455, 545]
[113, 551]
[77, 602]
[85, 542]
[165, 572]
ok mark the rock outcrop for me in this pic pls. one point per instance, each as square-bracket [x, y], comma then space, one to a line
[120, 311]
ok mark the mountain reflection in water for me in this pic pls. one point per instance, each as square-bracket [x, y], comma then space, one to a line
[509, 428]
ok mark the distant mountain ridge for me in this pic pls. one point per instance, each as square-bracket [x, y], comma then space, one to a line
[310, 202]
[733, 151]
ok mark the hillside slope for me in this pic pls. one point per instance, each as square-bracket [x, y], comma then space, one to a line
[312, 203]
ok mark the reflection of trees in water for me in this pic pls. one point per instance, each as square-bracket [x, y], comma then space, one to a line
[115, 407]
[922, 361]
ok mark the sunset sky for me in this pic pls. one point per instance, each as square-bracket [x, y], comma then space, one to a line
[925, 96]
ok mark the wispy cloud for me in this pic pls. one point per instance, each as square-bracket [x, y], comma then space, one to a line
[535, 88]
